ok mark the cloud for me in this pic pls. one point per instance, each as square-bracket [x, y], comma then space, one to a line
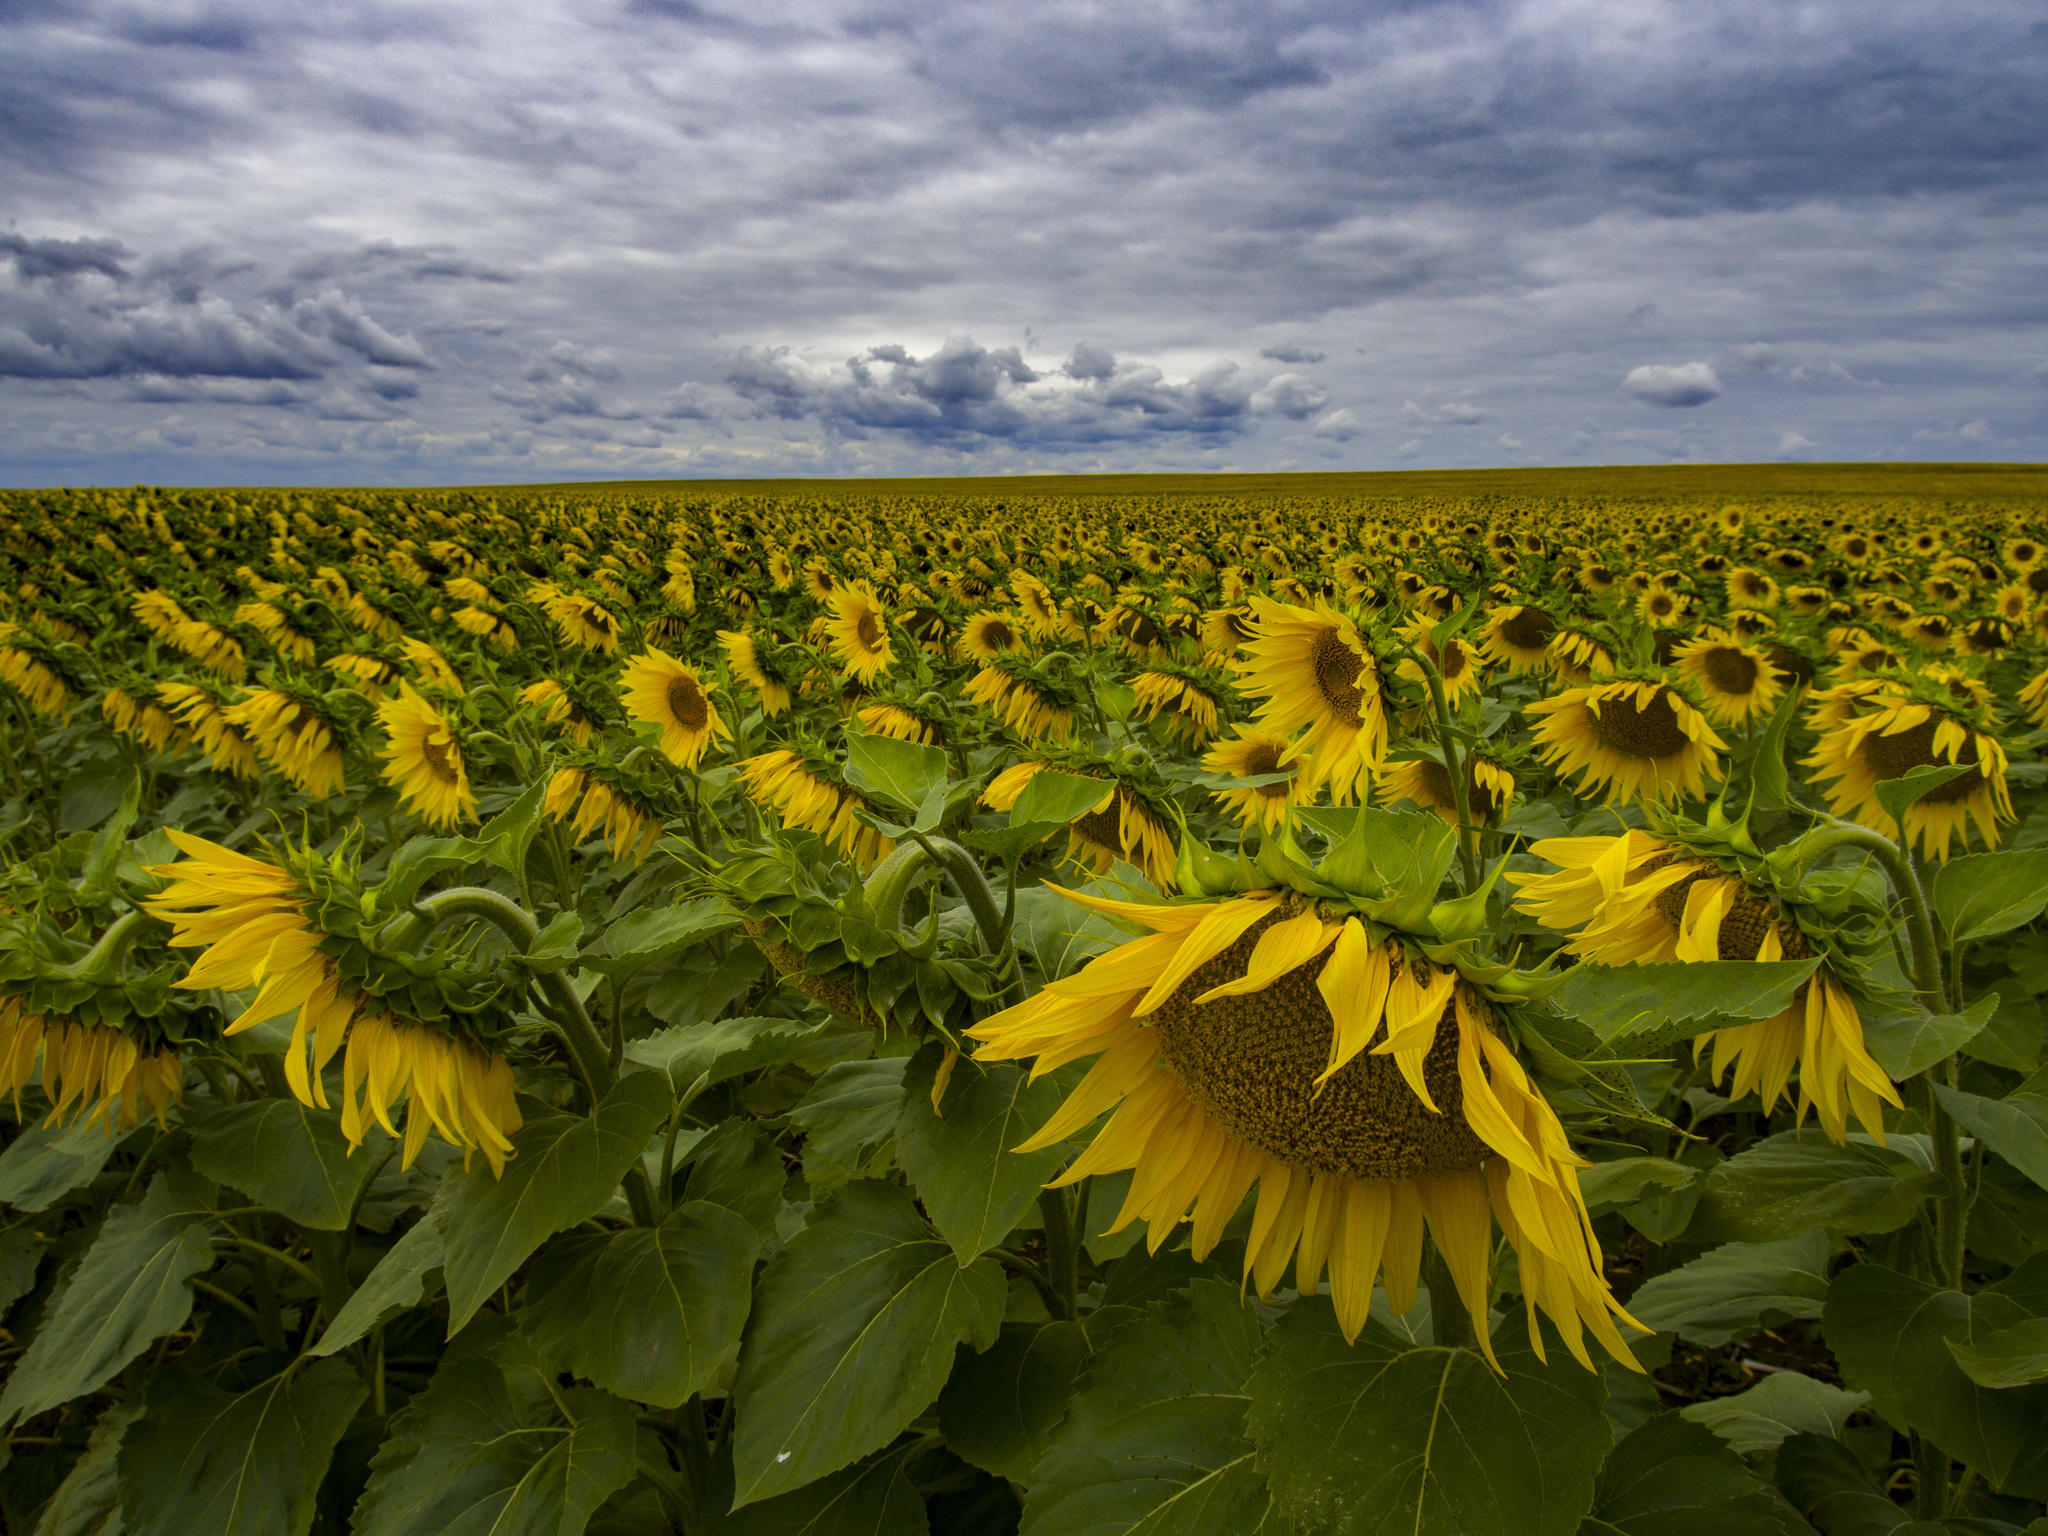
[1411, 448]
[1289, 394]
[1289, 352]
[568, 380]
[1975, 432]
[1673, 384]
[1339, 426]
[1793, 442]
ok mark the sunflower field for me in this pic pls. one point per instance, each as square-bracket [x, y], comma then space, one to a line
[855, 1012]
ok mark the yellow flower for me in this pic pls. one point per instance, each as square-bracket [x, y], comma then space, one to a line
[1235, 1045]
[859, 632]
[145, 721]
[580, 620]
[1317, 677]
[1751, 588]
[45, 692]
[1738, 682]
[1427, 783]
[743, 655]
[989, 634]
[630, 829]
[1457, 663]
[1639, 741]
[435, 672]
[1019, 701]
[1896, 736]
[424, 761]
[1518, 637]
[784, 782]
[1118, 826]
[207, 720]
[1189, 707]
[459, 1089]
[294, 738]
[660, 690]
[1251, 754]
[97, 1065]
[1645, 901]
[898, 723]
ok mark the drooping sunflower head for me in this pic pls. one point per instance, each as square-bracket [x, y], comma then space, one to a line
[1189, 699]
[1426, 782]
[1518, 636]
[1317, 677]
[592, 798]
[1253, 754]
[903, 720]
[660, 690]
[1024, 697]
[292, 732]
[1124, 823]
[858, 631]
[989, 634]
[423, 760]
[1909, 726]
[1638, 740]
[803, 788]
[1738, 682]
[1577, 656]
[1457, 661]
[755, 665]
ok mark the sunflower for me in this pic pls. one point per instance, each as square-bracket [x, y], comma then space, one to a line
[453, 1086]
[371, 674]
[1576, 657]
[1897, 735]
[762, 673]
[899, 722]
[1647, 900]
[272, 623]
[1190, 704]
[1425, 781]
[799, 790]
[433, 667]
[659, 690]
[199, 712]
[1661, 608]
[579, 620]
[859, 632]
[294, 737]
[1738, 682]
[1251, 754]
[2023, 554]
[1518, 637]
[1234, 1044]
[142, 720]
[681, 586]
[1456, 662]
[1641, 741]
[1318, 677]
[988, 634]
[588, 802]
[559, 707]
[1751, 588]
[424, 761]
[1121, 825]
[1022, 698]
[116, 1073]
[40, 685]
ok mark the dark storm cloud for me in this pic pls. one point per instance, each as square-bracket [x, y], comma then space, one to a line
[623, 234]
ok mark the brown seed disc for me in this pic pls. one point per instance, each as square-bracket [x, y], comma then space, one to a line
[1792, 664]
[1730, 671]
[869, 629]
[1336, 668]
[1436, 783]
[999, 635]
[687, 704]
[1529, 630]
[1893, 757]
[440, 760]
[1252, 1061]
[1650, 732]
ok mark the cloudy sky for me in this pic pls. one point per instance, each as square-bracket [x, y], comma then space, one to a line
[436, 241]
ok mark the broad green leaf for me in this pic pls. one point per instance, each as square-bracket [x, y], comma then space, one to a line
[851, 1337]
[2014, 1036]
[1645, 1007]
[21, 1250]
[554, 947]
[289, 1157]
[1000, 1407]
[2015, 1127]
[1900, 794]
[1381, 1435]
[874, 1497]
[722, 1049]
[697, 985]
[128, 1291]
[1770, 781]
[1891, 1334]
[1827, 1482]
[1906, 1045]
[505, 839]
[1060, 798]
[1783, 1403]
[1673, 1478]
[399, 1279]
[1062, 933]
[1984, 894]
[739, 1166]
[1732, 1290]
[2010, 1357]
[563, 1169]
[650, 1313]
[655, 933]
[1629, 1179]
[45, 1163]
[1154, 1441]
[484, 1451]
[1798, 1181]
[974, 1188]
[899, 773]
[850, 1110]
[201, 1459]
[2009, 1217]
[88, 1501]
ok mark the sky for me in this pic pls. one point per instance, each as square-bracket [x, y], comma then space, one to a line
[380, 242]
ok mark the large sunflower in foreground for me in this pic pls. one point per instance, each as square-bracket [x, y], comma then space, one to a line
[1285, 1040]
[1317, 676]
[1898, 733]
[858, 631]
[660, 690]
[424, 761]
[1651, 899]
[1637, 740]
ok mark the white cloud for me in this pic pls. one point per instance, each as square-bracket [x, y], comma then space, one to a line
[1673, 384]
[1975, 432]
[1339, 426]
[1793, 442]
[1411, 448]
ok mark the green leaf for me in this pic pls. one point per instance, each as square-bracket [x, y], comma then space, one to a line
[1154, 1441]
[484, 1451]
[1906, 1045]
[1733, 1290]
[1891, 1334]
[554, 947]
[673, 1300]
[2008, 1357]
[201, 1459]
[1380, 1436]
[289, 1157]
[88, 1501]
[399, 1279]
[21, 1250]
[1770, 780]
[899, 773]
[128, 1291]
[1062, 933]
[850, 1110]
[2014, 1036]
[739, 1166]
[507, 837]
[1984, 894]
[417, 861]
[974, 1188]
[722, 1049]
[1827, 1482]
[1626, 1180]
[1673, 1478]
[1000, 1407]
[1783, 1403]
[1638, 1008]
[655, 933]
[1898, 795]
[851, 1337]
[871, 1498]
[2015, 1127]
[45, 1163]
[563, 1170]
[1798, 1181]
[1060, 798]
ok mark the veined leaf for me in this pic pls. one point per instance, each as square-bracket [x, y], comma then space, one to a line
[2009, 1357]
[1673, 1478]
[874, 1497]
[1062, 798]
[900, 773]
[1729, 1291]
[1799, 1181]
[721, 1049]
[1907, 1044]
[1001, 1407]
[1981, 895]
[1784, 1403]
[45, 1163]
[2015, 1127]
[399, 1280]
[1636, 1008]
[289, 1157]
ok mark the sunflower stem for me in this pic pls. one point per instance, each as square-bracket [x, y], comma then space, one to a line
[1062, 1251]
[965, 873]
[1930, 1467]
[1455, 767]
[1450, 1325]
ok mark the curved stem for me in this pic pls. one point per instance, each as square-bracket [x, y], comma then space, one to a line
[1825, 839]
[107, 953]
[1455, 767]
[965, 873]
[891, 880]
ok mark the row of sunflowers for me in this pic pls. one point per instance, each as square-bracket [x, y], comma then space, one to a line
[710, 1011]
